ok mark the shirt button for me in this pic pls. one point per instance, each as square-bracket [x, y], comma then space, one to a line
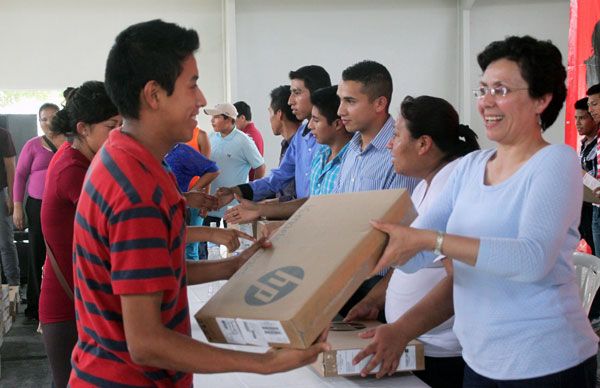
[352, 179]
[310, 149]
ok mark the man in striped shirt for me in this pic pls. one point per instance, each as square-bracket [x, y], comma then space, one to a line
[130, 275]
[365, 93]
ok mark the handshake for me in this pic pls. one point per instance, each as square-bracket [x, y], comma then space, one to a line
[206, 202]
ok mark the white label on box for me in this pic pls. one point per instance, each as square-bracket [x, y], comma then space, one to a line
[408, 361]
[261, 332]
[231, 331]
[590, 181]
[252, 332]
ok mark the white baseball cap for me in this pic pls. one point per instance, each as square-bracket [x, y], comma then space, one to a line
[225, 109]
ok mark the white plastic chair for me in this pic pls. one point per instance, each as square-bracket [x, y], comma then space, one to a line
[587, 268]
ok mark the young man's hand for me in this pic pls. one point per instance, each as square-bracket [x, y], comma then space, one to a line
[228, 237]
[226, 194]
[281, 360]
[202, 201]
[246, 211]
[243, 257]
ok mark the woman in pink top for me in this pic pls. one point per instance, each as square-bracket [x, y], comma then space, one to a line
[31, 172]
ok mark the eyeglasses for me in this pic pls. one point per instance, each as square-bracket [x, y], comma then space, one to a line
[500, 91]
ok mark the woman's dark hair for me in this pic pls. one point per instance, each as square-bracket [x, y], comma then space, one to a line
[541, 67]
[436, 118]
[88, 103]
[47, 105]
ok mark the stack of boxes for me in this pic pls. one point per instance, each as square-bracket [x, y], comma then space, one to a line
[10, 306]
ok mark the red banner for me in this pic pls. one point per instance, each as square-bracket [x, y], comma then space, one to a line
[583, 68]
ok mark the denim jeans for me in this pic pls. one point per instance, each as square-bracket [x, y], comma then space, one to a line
[191, 249]
[596, 228]
[8, 250]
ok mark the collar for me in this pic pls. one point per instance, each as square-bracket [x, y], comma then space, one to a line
[379, 142]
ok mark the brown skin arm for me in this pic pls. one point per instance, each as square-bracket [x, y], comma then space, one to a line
[174, 351]
[260, 171]
[204, 144]
[204, 181]
[390, 340]
[9, 166]
[205, 271]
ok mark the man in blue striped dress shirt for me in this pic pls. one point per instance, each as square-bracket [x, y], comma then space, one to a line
[365, 93]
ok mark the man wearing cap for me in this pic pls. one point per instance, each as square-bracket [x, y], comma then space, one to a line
[234, 152]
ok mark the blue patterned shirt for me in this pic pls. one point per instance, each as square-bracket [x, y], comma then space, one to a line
[323, 174]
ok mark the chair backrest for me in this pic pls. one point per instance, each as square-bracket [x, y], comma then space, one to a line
[587, 268]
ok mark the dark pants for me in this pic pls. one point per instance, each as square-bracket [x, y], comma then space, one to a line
[203, 246]
[579, 376]
[59, 340]
[38, 255]
[362, 291]
[443, 372]
[585, 226]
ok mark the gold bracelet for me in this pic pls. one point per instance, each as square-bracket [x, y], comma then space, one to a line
[439, 240]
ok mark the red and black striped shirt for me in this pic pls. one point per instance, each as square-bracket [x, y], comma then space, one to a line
[129, 238]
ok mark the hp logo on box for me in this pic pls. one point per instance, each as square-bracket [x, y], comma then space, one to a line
[274, 285]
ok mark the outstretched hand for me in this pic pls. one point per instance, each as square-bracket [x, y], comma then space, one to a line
[246, 211]
[386, 348]
[404, 243]
[202, 201]
[225, 195]
[281, 360]
[262, 243]
[228, 237]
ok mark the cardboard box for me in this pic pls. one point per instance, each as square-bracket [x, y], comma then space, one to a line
[267, 228]
[14, 300]
[287, 295]
[345, 344]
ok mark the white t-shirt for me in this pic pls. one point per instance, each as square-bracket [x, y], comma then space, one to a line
[406, 289]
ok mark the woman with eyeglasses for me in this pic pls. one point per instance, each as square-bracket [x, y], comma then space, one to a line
[86, 120]
[508, 219]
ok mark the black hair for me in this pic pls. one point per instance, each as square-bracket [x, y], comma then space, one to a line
[279, 102]
[314, 77]
[375, 78]
[437, 118]
[243, 109]
[327, 102]
[67, 92]
[88, 103]
[593, 90]
[596, 39]
[143, 52]
[540, 63]
[582, 104]
[47, 105]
